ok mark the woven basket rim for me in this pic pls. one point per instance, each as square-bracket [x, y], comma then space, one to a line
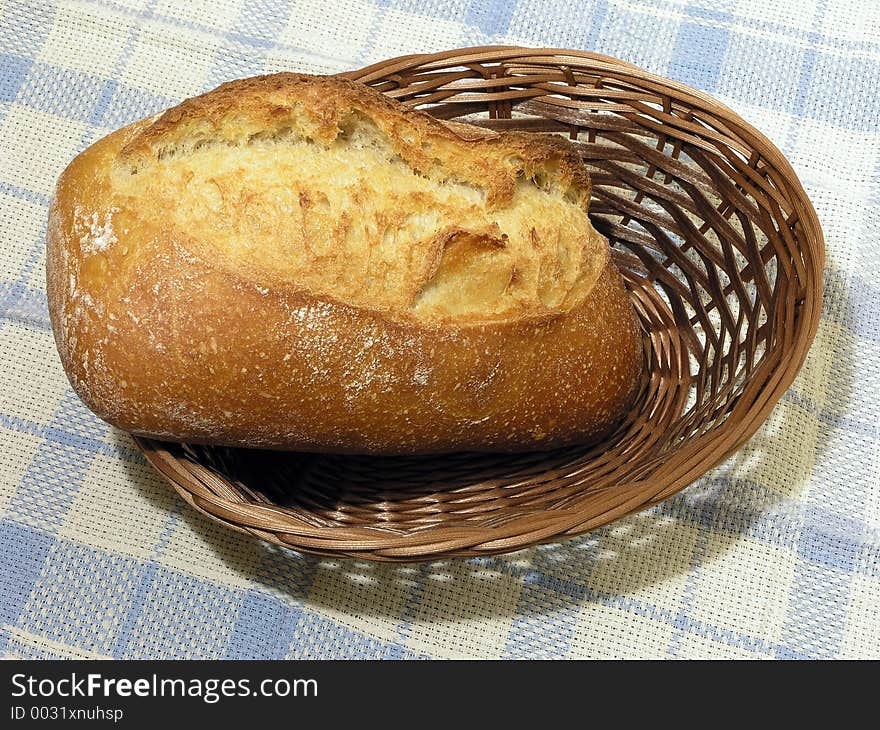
[283, 526]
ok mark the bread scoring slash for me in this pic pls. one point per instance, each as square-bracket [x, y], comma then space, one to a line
[299, 262]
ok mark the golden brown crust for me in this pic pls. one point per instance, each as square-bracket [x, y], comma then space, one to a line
[254, 105]
[327, 184]
[161, 336]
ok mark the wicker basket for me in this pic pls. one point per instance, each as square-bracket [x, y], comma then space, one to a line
[723, 256]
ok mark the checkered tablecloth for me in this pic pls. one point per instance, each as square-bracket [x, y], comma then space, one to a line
[774, 554]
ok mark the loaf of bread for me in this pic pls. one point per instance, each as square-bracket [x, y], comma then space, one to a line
[299, 262]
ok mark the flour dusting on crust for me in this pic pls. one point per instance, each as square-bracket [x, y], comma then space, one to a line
[94, 231]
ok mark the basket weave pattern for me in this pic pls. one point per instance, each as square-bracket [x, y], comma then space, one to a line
[721, 252]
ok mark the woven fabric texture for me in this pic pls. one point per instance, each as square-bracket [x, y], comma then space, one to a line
[774, 554]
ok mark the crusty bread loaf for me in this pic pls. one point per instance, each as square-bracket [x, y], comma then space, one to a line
[299, 262]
